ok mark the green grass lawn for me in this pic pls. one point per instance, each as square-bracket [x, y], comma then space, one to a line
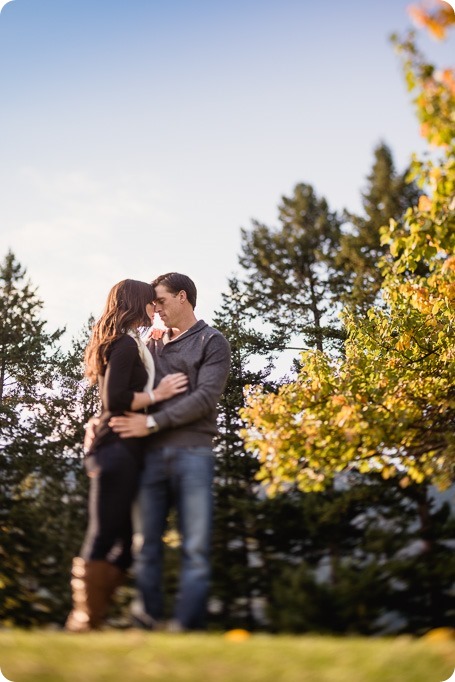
[133, 656]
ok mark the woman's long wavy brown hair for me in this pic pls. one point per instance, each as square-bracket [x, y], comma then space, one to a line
[125, 309]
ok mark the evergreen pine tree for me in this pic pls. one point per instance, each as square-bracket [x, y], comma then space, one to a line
[235, 580]
[288, 269]
[424, 574]
[387, 195]
[365, 557]
[41, 506]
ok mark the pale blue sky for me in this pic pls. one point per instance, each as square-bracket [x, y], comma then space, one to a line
[137, 137]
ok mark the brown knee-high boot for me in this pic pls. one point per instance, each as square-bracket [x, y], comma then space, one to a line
[90, 583]
[114, 578]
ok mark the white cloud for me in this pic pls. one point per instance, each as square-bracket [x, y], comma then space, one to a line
[77, 235]
[81, 236]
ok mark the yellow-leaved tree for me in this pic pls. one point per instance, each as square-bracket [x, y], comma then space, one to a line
[389, 404]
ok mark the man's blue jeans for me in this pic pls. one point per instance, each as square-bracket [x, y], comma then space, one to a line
[180, 476]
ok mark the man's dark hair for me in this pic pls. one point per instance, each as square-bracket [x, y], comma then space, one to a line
[175, 282]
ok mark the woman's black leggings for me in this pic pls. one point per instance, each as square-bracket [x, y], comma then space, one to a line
[114, 476]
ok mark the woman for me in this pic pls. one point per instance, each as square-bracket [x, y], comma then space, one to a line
[121, 363]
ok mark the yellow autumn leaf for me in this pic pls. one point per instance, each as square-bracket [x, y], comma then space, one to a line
[424, 203]
[344, 414]
[436, 29]
[449, 264]
[404, 342]
[424, 129]
[387, 472]
[418, 15]
[237, 635]
[436, 307]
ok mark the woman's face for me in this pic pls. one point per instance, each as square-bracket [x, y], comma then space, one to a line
[150, 310]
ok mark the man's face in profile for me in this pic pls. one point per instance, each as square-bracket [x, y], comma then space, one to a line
[167, 305]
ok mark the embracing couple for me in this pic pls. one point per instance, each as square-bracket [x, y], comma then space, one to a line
[153, 441]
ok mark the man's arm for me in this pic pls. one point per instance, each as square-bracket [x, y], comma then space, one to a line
[211, 380]
[212, 377]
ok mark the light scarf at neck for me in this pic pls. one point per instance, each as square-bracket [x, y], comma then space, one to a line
[146, 358]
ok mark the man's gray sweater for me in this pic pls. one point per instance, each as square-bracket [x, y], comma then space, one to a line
[189, 419]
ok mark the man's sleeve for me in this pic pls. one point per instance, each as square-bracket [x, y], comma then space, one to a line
[212, 377]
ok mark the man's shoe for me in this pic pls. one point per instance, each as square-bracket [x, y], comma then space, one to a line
[140, 619]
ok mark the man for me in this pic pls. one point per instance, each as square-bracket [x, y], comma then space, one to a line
[179, 459]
